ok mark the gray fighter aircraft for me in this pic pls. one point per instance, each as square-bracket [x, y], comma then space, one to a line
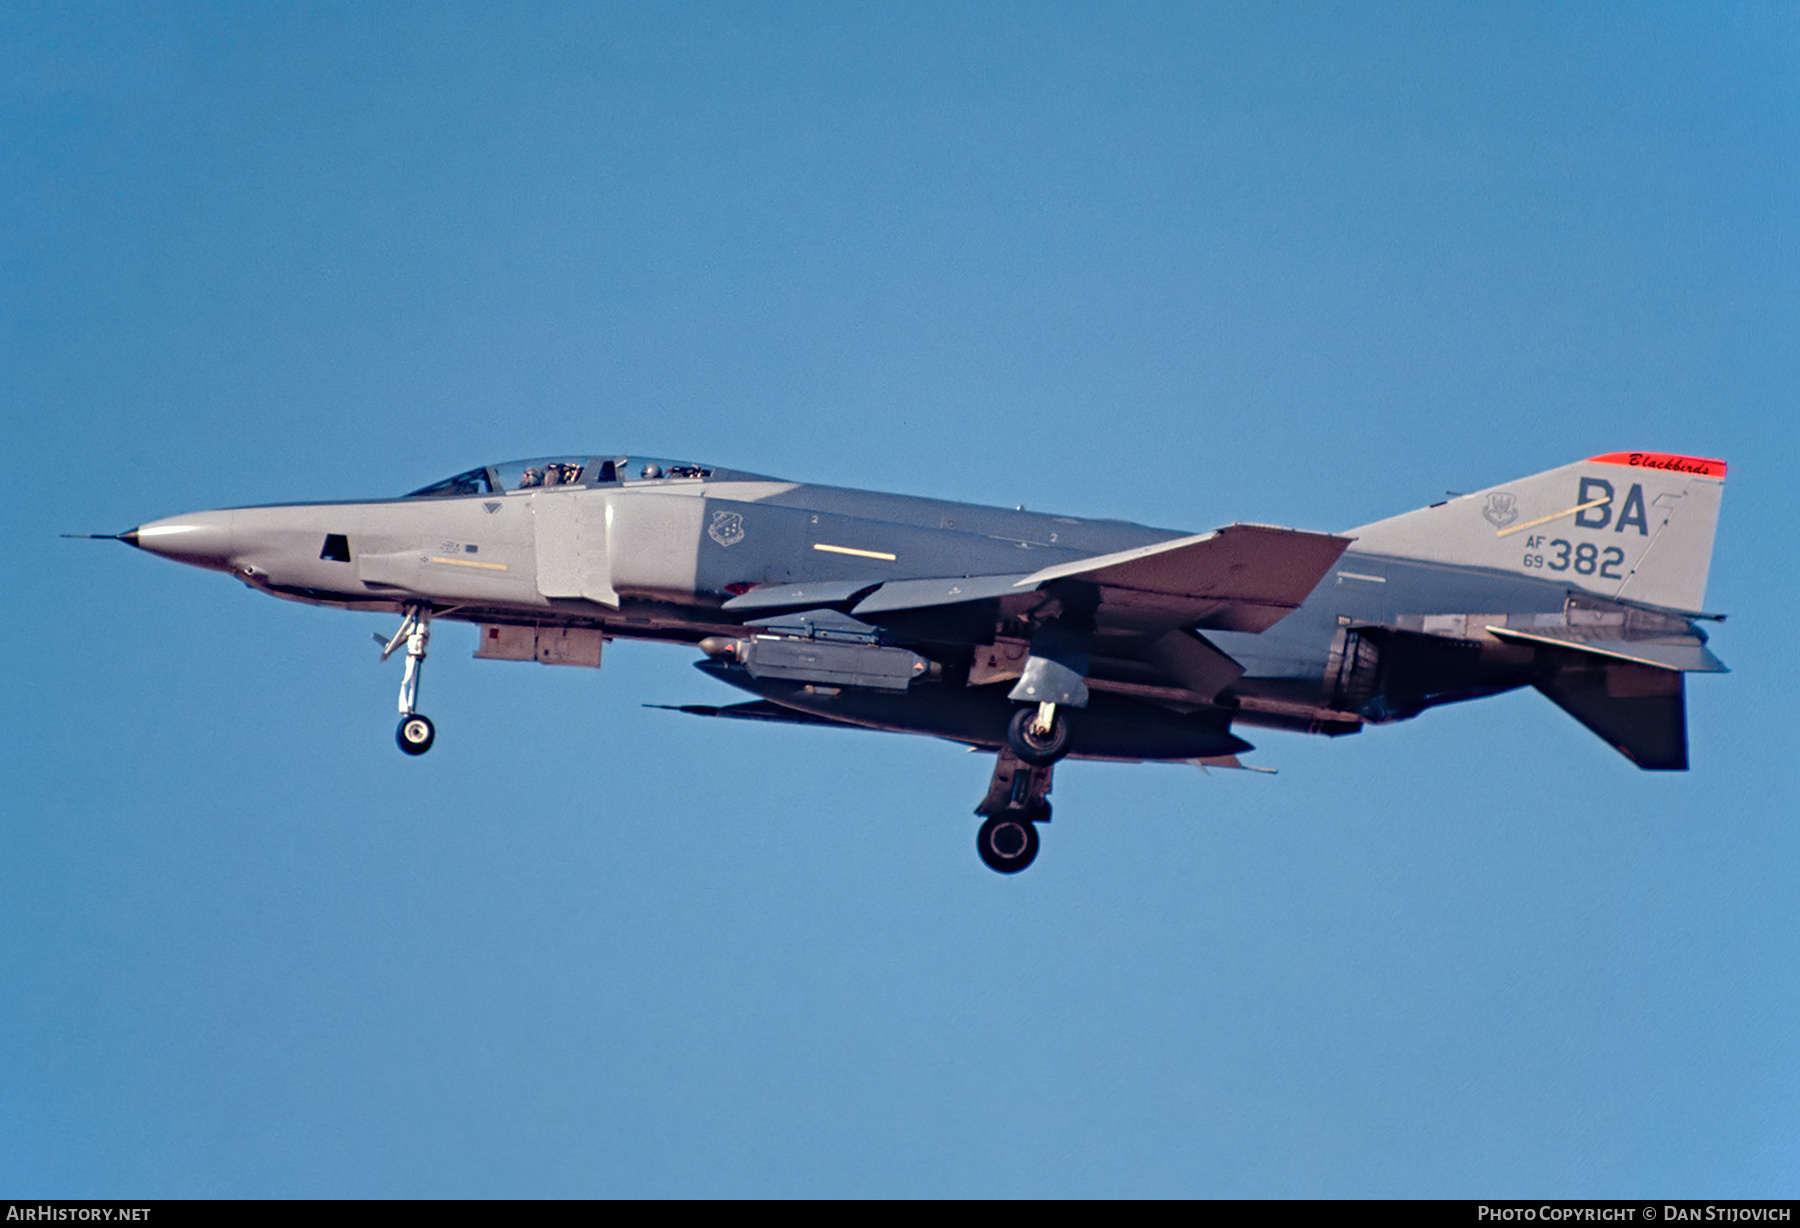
[1033, 636]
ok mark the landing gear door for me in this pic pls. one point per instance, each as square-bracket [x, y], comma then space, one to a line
[569, 528]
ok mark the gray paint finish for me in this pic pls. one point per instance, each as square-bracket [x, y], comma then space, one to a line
[1573, 581]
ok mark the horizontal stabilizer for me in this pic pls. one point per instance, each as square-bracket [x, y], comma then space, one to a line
[1638, 710]
[1245, 577]
[1688, 656]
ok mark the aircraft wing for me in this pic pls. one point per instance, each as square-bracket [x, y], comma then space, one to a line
[1244, 577]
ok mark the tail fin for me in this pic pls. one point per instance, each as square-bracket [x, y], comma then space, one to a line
[1637, 526]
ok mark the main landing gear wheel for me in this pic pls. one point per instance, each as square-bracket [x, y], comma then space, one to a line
[415, 734]
[1031, 744]
[1007, 842]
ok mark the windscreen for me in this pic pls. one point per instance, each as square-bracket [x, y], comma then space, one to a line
[474, 482]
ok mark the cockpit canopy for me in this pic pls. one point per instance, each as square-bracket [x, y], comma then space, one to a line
[550, 471]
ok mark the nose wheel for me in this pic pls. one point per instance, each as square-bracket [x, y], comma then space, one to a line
[416, 733]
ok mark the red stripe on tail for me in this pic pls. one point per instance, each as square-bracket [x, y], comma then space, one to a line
[1663, 460]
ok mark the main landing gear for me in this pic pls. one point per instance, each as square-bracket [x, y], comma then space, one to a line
[1038, 735]
[416, 733]
[1015, 804]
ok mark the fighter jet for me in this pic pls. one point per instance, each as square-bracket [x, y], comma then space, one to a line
[1027, 635]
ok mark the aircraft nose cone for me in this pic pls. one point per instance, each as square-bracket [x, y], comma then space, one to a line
[202, 539]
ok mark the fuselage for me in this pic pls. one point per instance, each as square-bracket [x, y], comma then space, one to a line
[659, 550]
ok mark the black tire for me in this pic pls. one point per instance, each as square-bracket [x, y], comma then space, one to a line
[1037, 749]
[1007, 842]
[416, 734]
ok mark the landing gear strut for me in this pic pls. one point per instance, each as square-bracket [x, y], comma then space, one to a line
[1015, 804]
[416, 732]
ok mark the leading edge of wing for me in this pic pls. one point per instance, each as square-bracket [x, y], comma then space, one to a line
[788, 596]
[759, 710]
[947, 590]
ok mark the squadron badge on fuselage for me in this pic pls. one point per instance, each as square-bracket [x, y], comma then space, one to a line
[727, 528]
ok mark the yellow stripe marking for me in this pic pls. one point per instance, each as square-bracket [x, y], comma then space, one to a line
[471, 563]
[861, 554]
[1567, 511]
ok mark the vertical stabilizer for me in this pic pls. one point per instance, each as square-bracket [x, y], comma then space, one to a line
[1631, 525]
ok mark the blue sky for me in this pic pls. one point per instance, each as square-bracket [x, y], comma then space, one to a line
[1186, 265]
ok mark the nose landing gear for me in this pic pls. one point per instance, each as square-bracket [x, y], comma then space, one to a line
[416, 733]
